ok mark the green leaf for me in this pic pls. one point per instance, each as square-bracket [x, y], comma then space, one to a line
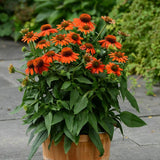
[31, 137]
[67, 144]
[131, 120]
[48, 122]
[73, 97]
[83, 80]
[104, 125]
[62, 104]
[57, 117]
[123, 86]
[69, 120]
[54, 16]
[42, 16]
[41, 137]
[69, 1]
[41, 127]
[51, 79]
[36, 107]
[93, 121]
[132, 100]
[80, 120]
[94, 136]
[66, 85]
[81, 104]
[17, 109]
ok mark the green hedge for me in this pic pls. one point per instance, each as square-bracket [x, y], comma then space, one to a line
[141, 19]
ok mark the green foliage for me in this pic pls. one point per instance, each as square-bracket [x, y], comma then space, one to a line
[141, 20]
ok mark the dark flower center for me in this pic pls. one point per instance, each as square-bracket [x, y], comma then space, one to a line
[42, 42]
[38, 63]
[46, 27]
[50, 53]
[87, 58]
[95, 64]
[75, 37]
[85, 18]
[108, 19]
[64, 24]
[30, 35]
[119, 54]
[86, 27]
[89, 45]
[60, 37]
[114, 67]
[111, 39]
[30, 64]
[66, 52]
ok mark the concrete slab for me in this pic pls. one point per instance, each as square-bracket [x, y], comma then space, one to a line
[10, 50]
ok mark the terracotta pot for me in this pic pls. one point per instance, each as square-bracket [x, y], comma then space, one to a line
[85, 150]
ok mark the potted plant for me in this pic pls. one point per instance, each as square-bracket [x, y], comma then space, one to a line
[73, 79]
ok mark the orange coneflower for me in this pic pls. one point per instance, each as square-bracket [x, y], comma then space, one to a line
[50, 56]
[74, 38]
[60, 39]
[88, 47]
[47, 29]
[113, 68]
[43, 43]
[30, 36]
[40, 65]
[67, 25]
[118, 56]
[95, 66]
[67, 55]
[87, 58]
[86, 28]
[30, 67]
[108, 19]
[82, 20]
[110, 40]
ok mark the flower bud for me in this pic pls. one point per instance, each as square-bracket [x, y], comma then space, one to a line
[25, 82]
[24, 31]
[25, 107]
[24, 49]
[11, 69]
[112, 48]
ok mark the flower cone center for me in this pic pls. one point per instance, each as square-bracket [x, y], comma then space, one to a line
[30, 64]
[114, 67]
[66, 52]
[86, 27]
[119, 54]
[38, 63]
[30, 35]
[50, 53]
[42, 42]
[89, 45]
[111, 39]
[75, 37]
[95, 64]
[65, 24]
[85, 18]
[46, 27]
[60, 37]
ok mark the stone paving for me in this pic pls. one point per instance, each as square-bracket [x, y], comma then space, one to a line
[137, 144]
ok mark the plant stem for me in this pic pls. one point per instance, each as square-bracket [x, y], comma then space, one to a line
[101, 31]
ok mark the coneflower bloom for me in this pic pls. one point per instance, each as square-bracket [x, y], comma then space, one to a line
[30, 36]
[87, 58]
[47, 29]
[88, 47]
[108, 19]
[95, 66]
[110, 40]
[82, 20]
[118, 56]
[30, 67]
[86, 28]
[40, 65]
[60, 39]
[43, 44]
[74, 38]
[67, 25]
[113, 68]
[67, 55]
[50, 56]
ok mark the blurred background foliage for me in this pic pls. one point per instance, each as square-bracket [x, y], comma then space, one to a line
[137, 22]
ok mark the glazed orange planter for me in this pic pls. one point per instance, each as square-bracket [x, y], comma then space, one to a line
[85, 150]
